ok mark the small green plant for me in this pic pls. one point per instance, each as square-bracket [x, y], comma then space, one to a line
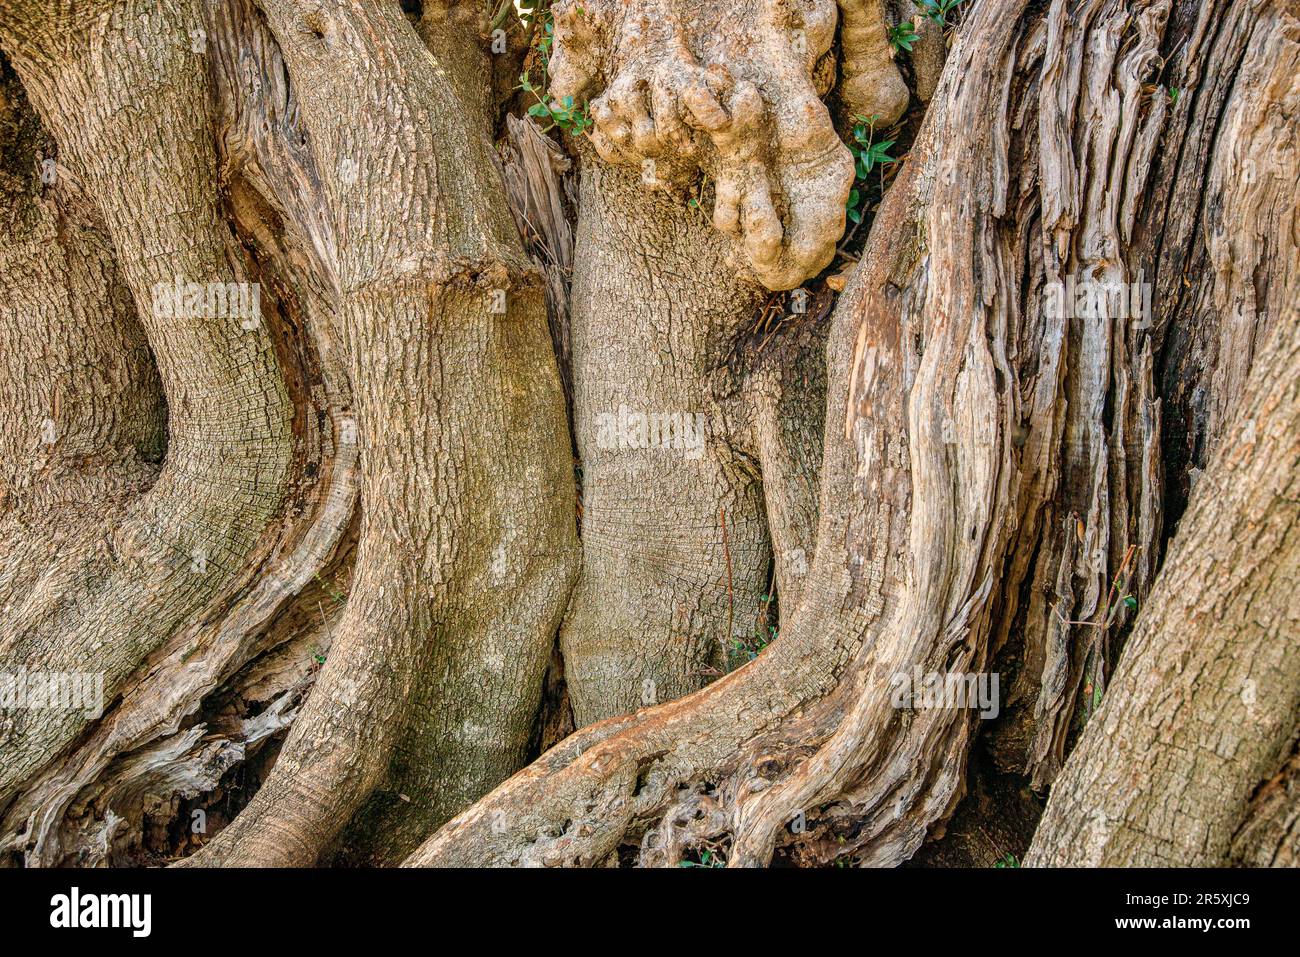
[568, 115]
[938, 10]
[1116, 598]
[707, 859]
[1173, 94]
[903, 35]
[1007, 861]
[745, 648]
[547, 40]
[696, 203]
[868, 154]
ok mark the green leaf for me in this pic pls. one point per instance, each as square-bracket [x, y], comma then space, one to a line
[1130, 602]
[903, 35]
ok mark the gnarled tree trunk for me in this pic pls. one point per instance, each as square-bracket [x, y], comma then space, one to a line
[927, 533]
[322, 556]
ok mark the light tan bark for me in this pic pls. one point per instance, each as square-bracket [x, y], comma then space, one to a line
[112, 87]
[662, 597]
[464, 562]
[683, 86]
[987, 469]
[86, 433]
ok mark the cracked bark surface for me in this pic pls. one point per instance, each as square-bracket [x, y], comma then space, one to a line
[675, 533]
[88, 434]
[112, 88]
[661, 597]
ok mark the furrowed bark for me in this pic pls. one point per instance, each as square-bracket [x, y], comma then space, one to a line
[1217, 643]
[1138, 457]
[465, 554]
[113, 87]
[1203, 707]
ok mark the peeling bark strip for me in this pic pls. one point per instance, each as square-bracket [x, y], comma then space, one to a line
[1164, 227]
[538, 178]
[1204, 706]
[1094, 490]
[928, 535]
[1203, 710]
